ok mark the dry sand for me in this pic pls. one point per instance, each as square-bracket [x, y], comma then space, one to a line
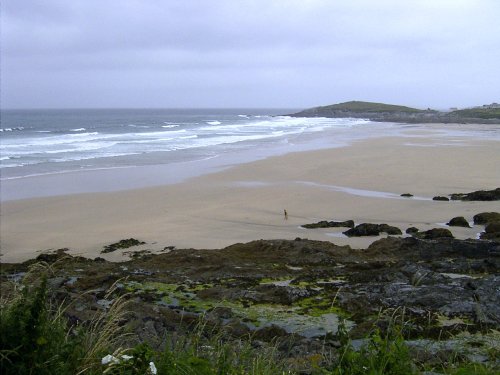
[246, 202]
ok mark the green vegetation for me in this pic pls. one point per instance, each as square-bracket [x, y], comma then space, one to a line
[33, 339]
[37, 338]
[359, 106]
[384, 354]
[487, 114]
[483, 113]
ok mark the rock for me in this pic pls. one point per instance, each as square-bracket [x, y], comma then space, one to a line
[122, 244]
[330, 224]
[486, 217]
[270, 333]
[365, 229]
[407, 195]
[281, 282]
[412, 230]
[439, 198]
[369, 229]
[389, 229]
[492, 227]
[479, 195]
[55, 282]
[284, 295]
[52, 256]
[435, 233]
[491, 231]
[458, 221]
[236, 328]
[221, 312]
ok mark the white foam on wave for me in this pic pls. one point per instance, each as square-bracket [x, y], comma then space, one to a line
[34, 142]
[83, 145]
[89, 157]
[2, 165]
[11, 129]
[157, 134]
[288, 125]
[82, 134]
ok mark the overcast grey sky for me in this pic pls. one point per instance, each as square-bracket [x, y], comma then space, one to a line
[248, 53]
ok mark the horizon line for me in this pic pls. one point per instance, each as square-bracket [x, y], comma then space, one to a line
[148, 108]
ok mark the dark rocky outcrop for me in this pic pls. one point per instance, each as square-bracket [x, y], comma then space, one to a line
[491, 231]
[440, 198]
[273, 290]
[434, 233]
[486, 217]
[330, 224]
[458, 221]
[51, 257]
[479, 195]
[369, 229]
[411, 230]
[122, 244]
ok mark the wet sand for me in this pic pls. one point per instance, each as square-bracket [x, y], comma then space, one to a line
[246, 202]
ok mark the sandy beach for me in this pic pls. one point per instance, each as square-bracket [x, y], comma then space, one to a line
[362, 182]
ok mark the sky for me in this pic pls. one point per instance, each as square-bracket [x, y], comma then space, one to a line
[248, 53]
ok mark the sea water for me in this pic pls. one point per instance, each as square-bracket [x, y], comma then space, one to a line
[38, 142]
[54, 152]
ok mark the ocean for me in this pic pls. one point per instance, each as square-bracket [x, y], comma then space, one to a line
[59, 152]
[37, 142]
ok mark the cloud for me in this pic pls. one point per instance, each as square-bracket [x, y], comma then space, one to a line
[64, 53]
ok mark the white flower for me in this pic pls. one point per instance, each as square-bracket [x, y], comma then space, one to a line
[126, 357]
[152, 368]
[108, 359]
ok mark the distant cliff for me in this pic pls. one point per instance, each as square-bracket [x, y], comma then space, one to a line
[487, 114]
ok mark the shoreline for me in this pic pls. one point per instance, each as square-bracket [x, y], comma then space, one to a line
[167, 172]
[245, 202]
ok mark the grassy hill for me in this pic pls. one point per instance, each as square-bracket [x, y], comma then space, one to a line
[487, 114]
[359, 106]
[483, 113]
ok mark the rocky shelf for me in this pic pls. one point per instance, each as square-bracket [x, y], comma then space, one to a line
[297, 291]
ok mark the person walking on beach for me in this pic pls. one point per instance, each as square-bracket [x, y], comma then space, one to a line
[286, 214]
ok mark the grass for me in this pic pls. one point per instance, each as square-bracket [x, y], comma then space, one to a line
[36, 338]
[369, 107]
[484, 113]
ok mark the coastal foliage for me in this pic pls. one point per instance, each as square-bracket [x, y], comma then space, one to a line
[484, 113]
[360, 106]
[36, 337]
[381, 354]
